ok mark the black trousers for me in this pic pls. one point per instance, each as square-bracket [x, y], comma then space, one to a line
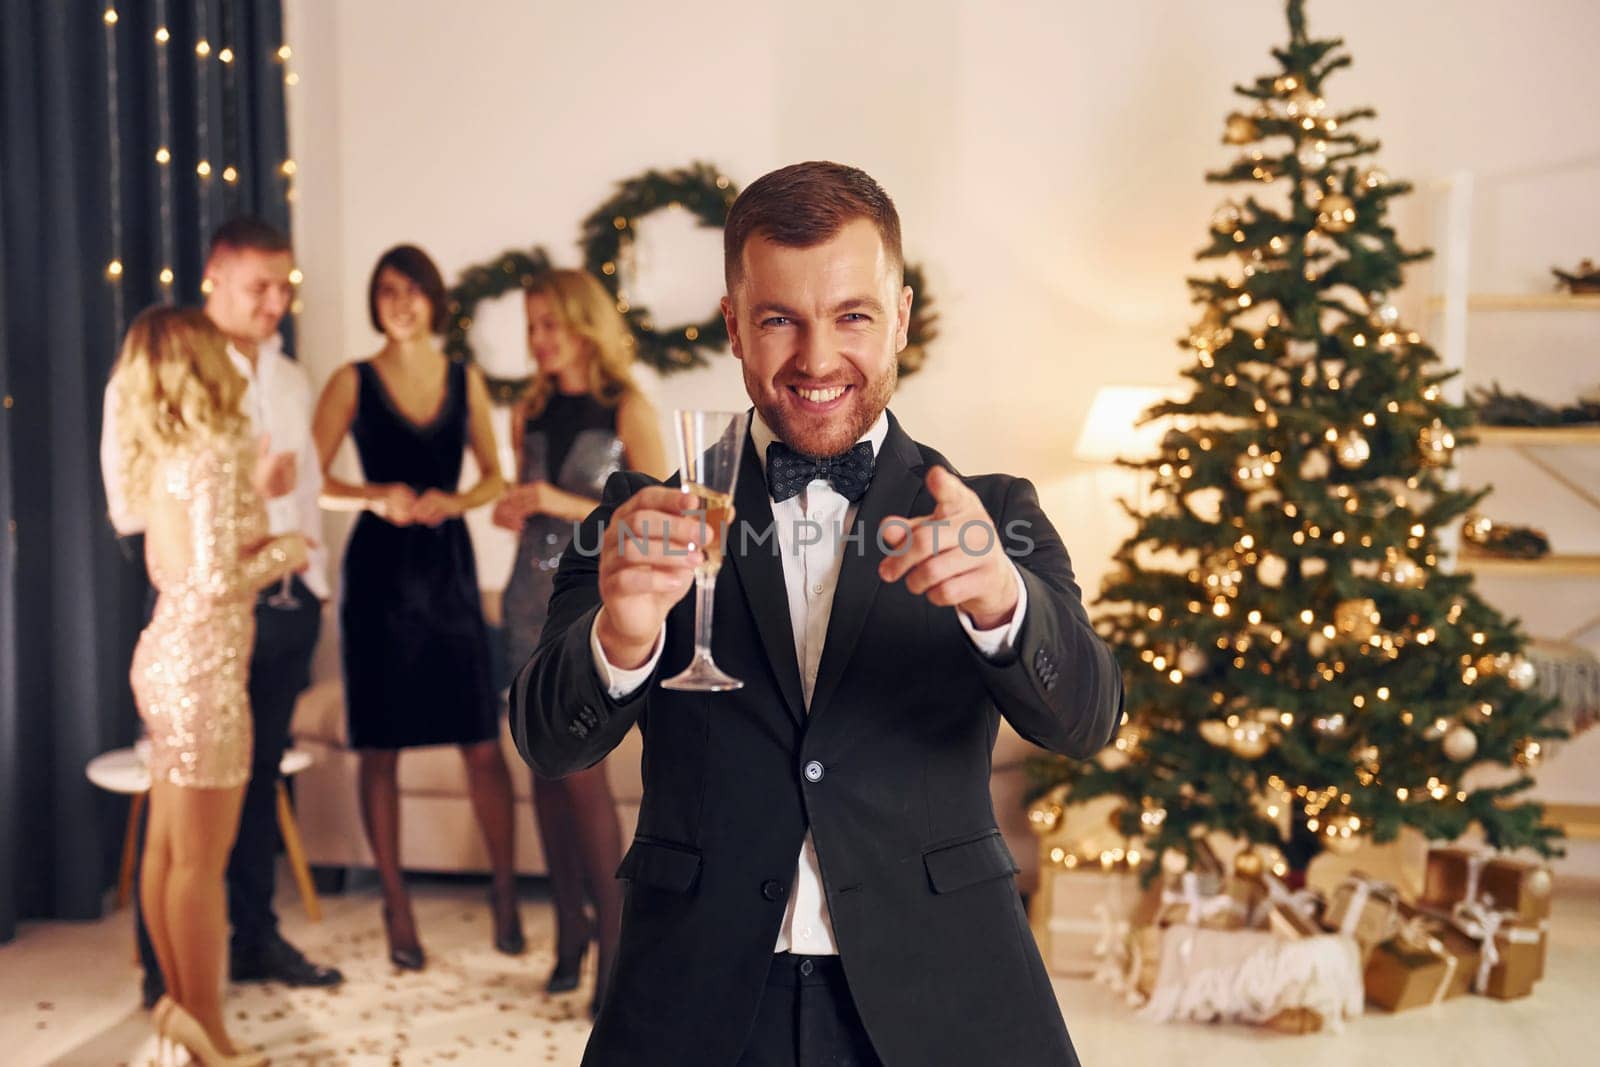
[280, 669]
[807, 1018]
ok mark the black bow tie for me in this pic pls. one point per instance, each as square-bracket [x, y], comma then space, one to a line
[789, 471]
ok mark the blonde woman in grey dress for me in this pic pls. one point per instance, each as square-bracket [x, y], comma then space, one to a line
[581, 420]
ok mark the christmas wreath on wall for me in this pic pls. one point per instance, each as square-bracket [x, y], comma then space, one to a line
[607, 235]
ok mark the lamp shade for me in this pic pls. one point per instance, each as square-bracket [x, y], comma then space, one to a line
[1110, 431]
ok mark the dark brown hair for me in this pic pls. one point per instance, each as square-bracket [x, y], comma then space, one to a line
[247, 232]
[805, 204]
[416, 265]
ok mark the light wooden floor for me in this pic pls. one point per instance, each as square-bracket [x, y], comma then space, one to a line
[69, 992]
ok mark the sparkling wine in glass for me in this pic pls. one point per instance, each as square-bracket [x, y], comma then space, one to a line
[282, 514]
[709, 446]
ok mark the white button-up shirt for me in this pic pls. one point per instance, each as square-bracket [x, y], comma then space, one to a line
[810, 575]
[277, 401]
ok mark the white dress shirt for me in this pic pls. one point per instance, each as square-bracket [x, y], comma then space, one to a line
[810, 574]
[277, 401]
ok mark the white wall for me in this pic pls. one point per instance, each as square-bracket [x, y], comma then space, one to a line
[1047, 160]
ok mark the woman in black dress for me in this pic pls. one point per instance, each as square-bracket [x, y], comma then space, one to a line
[580, 420]
[412, 632]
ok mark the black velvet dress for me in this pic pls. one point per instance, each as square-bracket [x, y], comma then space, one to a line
[411, 627]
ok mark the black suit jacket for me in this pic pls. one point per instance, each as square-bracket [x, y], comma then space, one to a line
[926, 915]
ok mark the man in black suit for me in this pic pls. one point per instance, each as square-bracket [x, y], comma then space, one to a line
[817, 877]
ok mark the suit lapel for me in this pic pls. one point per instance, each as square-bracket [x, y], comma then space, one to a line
[760, 573]
[896, 481]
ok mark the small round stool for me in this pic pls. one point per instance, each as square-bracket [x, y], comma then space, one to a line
[123, 770]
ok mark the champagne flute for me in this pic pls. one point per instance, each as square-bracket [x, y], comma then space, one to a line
[282, 514]
[710, 444]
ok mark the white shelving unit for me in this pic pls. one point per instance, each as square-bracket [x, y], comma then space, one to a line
[1454, 307]
[1452, 310]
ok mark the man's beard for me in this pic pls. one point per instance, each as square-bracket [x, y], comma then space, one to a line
[834, 438]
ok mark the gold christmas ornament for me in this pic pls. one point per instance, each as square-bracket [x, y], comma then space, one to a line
[1192, 661]
[1358, 618]
[1352, 449]
[1522, 674]
[1216, 732]
[1314, 467]
[1436, 442]
[1336, 213]
[1271, 570]
[1538, 882]
[1247, 864]
[1403, 572]
[1460, 744]
[1250, 740]
[1253, 472]
[1304, 102]
[1240, 129]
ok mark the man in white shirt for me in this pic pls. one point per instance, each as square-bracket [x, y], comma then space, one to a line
[249, 287]
[817, 877]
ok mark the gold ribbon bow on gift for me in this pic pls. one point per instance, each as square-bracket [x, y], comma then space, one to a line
[1200, 907]
[1363, 889]
[1481, 923]
[1415, 934]
[1301, 901]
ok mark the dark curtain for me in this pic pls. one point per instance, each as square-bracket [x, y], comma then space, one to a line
[85, 104]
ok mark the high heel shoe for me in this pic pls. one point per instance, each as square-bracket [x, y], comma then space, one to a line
[178, 1026]
[406, 957]
[508, 937]
[569, 969]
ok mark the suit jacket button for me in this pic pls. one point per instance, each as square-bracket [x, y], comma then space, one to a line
[773, 890]
[813, 771]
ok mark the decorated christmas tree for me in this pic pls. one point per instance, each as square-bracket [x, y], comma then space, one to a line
[1303, 670]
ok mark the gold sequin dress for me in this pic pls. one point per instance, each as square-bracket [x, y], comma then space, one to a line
[208, 554]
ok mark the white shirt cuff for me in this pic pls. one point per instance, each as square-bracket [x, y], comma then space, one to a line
[990, 642]
[620, 683]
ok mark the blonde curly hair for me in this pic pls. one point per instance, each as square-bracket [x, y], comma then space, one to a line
[589, 311]
[172, 381]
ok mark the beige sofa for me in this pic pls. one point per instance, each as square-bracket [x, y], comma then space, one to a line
[437, 828]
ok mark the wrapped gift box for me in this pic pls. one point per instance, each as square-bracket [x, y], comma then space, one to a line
[1521, 946]
[1521, 887]
[1429, 959]
[1364, 909]
[1077, 913]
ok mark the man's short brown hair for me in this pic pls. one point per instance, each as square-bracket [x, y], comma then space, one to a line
[418, 268]
[246, 232]
[805, 204]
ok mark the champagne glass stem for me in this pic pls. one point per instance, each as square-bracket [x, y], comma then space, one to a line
[705, 591]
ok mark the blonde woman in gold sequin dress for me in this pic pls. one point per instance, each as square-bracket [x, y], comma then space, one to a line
[190, 466]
